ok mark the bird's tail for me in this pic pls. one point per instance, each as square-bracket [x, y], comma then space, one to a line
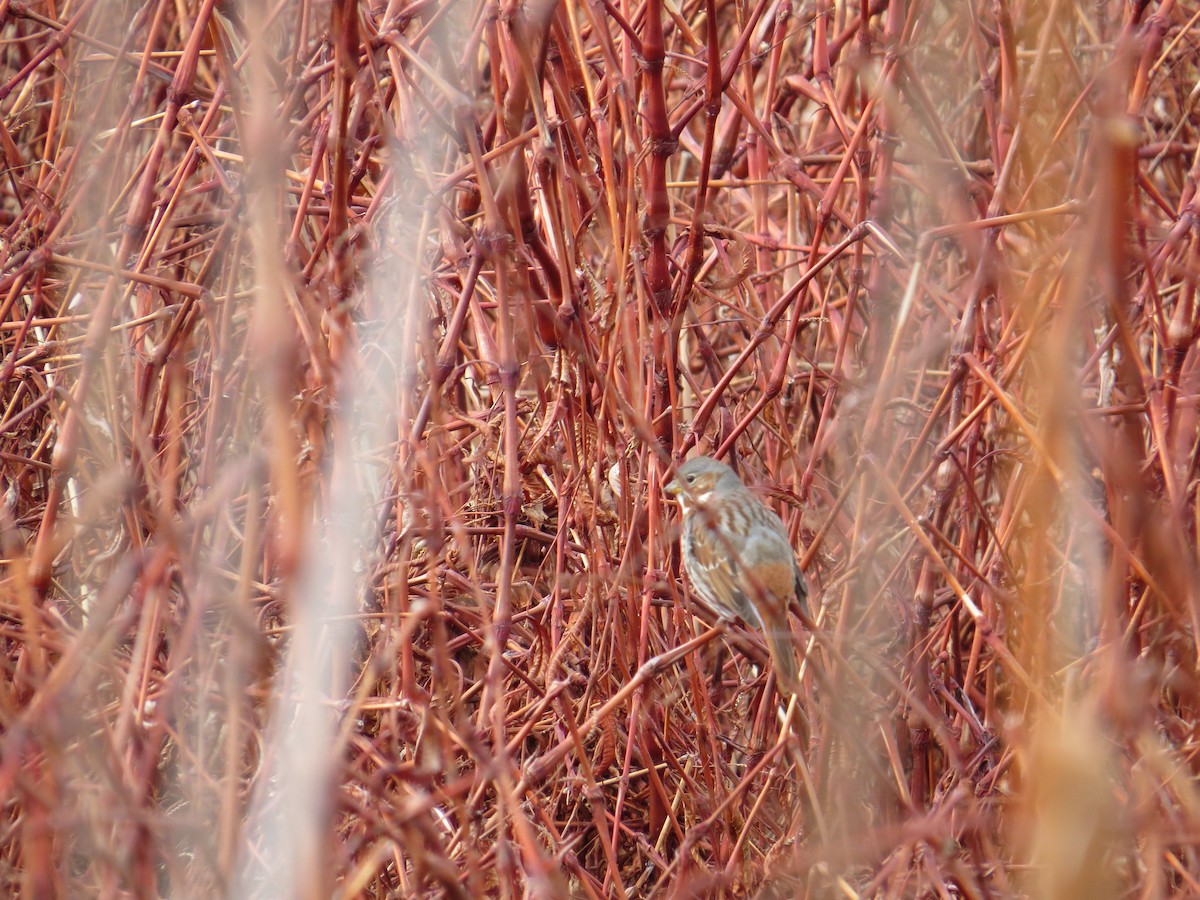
[783, 654]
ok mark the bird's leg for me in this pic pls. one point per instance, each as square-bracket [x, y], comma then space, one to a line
[738, 636]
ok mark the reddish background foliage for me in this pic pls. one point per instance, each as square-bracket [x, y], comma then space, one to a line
[347, 346]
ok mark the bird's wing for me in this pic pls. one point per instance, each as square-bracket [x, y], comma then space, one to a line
[768, 553]
[772, 579]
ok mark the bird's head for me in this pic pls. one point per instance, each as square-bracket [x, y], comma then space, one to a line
[697, 479]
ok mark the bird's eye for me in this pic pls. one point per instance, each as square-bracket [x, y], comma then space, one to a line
[691, 479]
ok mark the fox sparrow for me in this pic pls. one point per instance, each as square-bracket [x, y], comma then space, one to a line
[738, 557]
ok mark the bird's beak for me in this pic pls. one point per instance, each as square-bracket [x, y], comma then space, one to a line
[673, 489]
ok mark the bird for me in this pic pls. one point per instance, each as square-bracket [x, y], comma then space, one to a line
[737, 556]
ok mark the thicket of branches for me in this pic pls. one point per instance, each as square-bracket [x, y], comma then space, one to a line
[345, 348]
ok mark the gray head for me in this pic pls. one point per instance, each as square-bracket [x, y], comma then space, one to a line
[697, 479]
